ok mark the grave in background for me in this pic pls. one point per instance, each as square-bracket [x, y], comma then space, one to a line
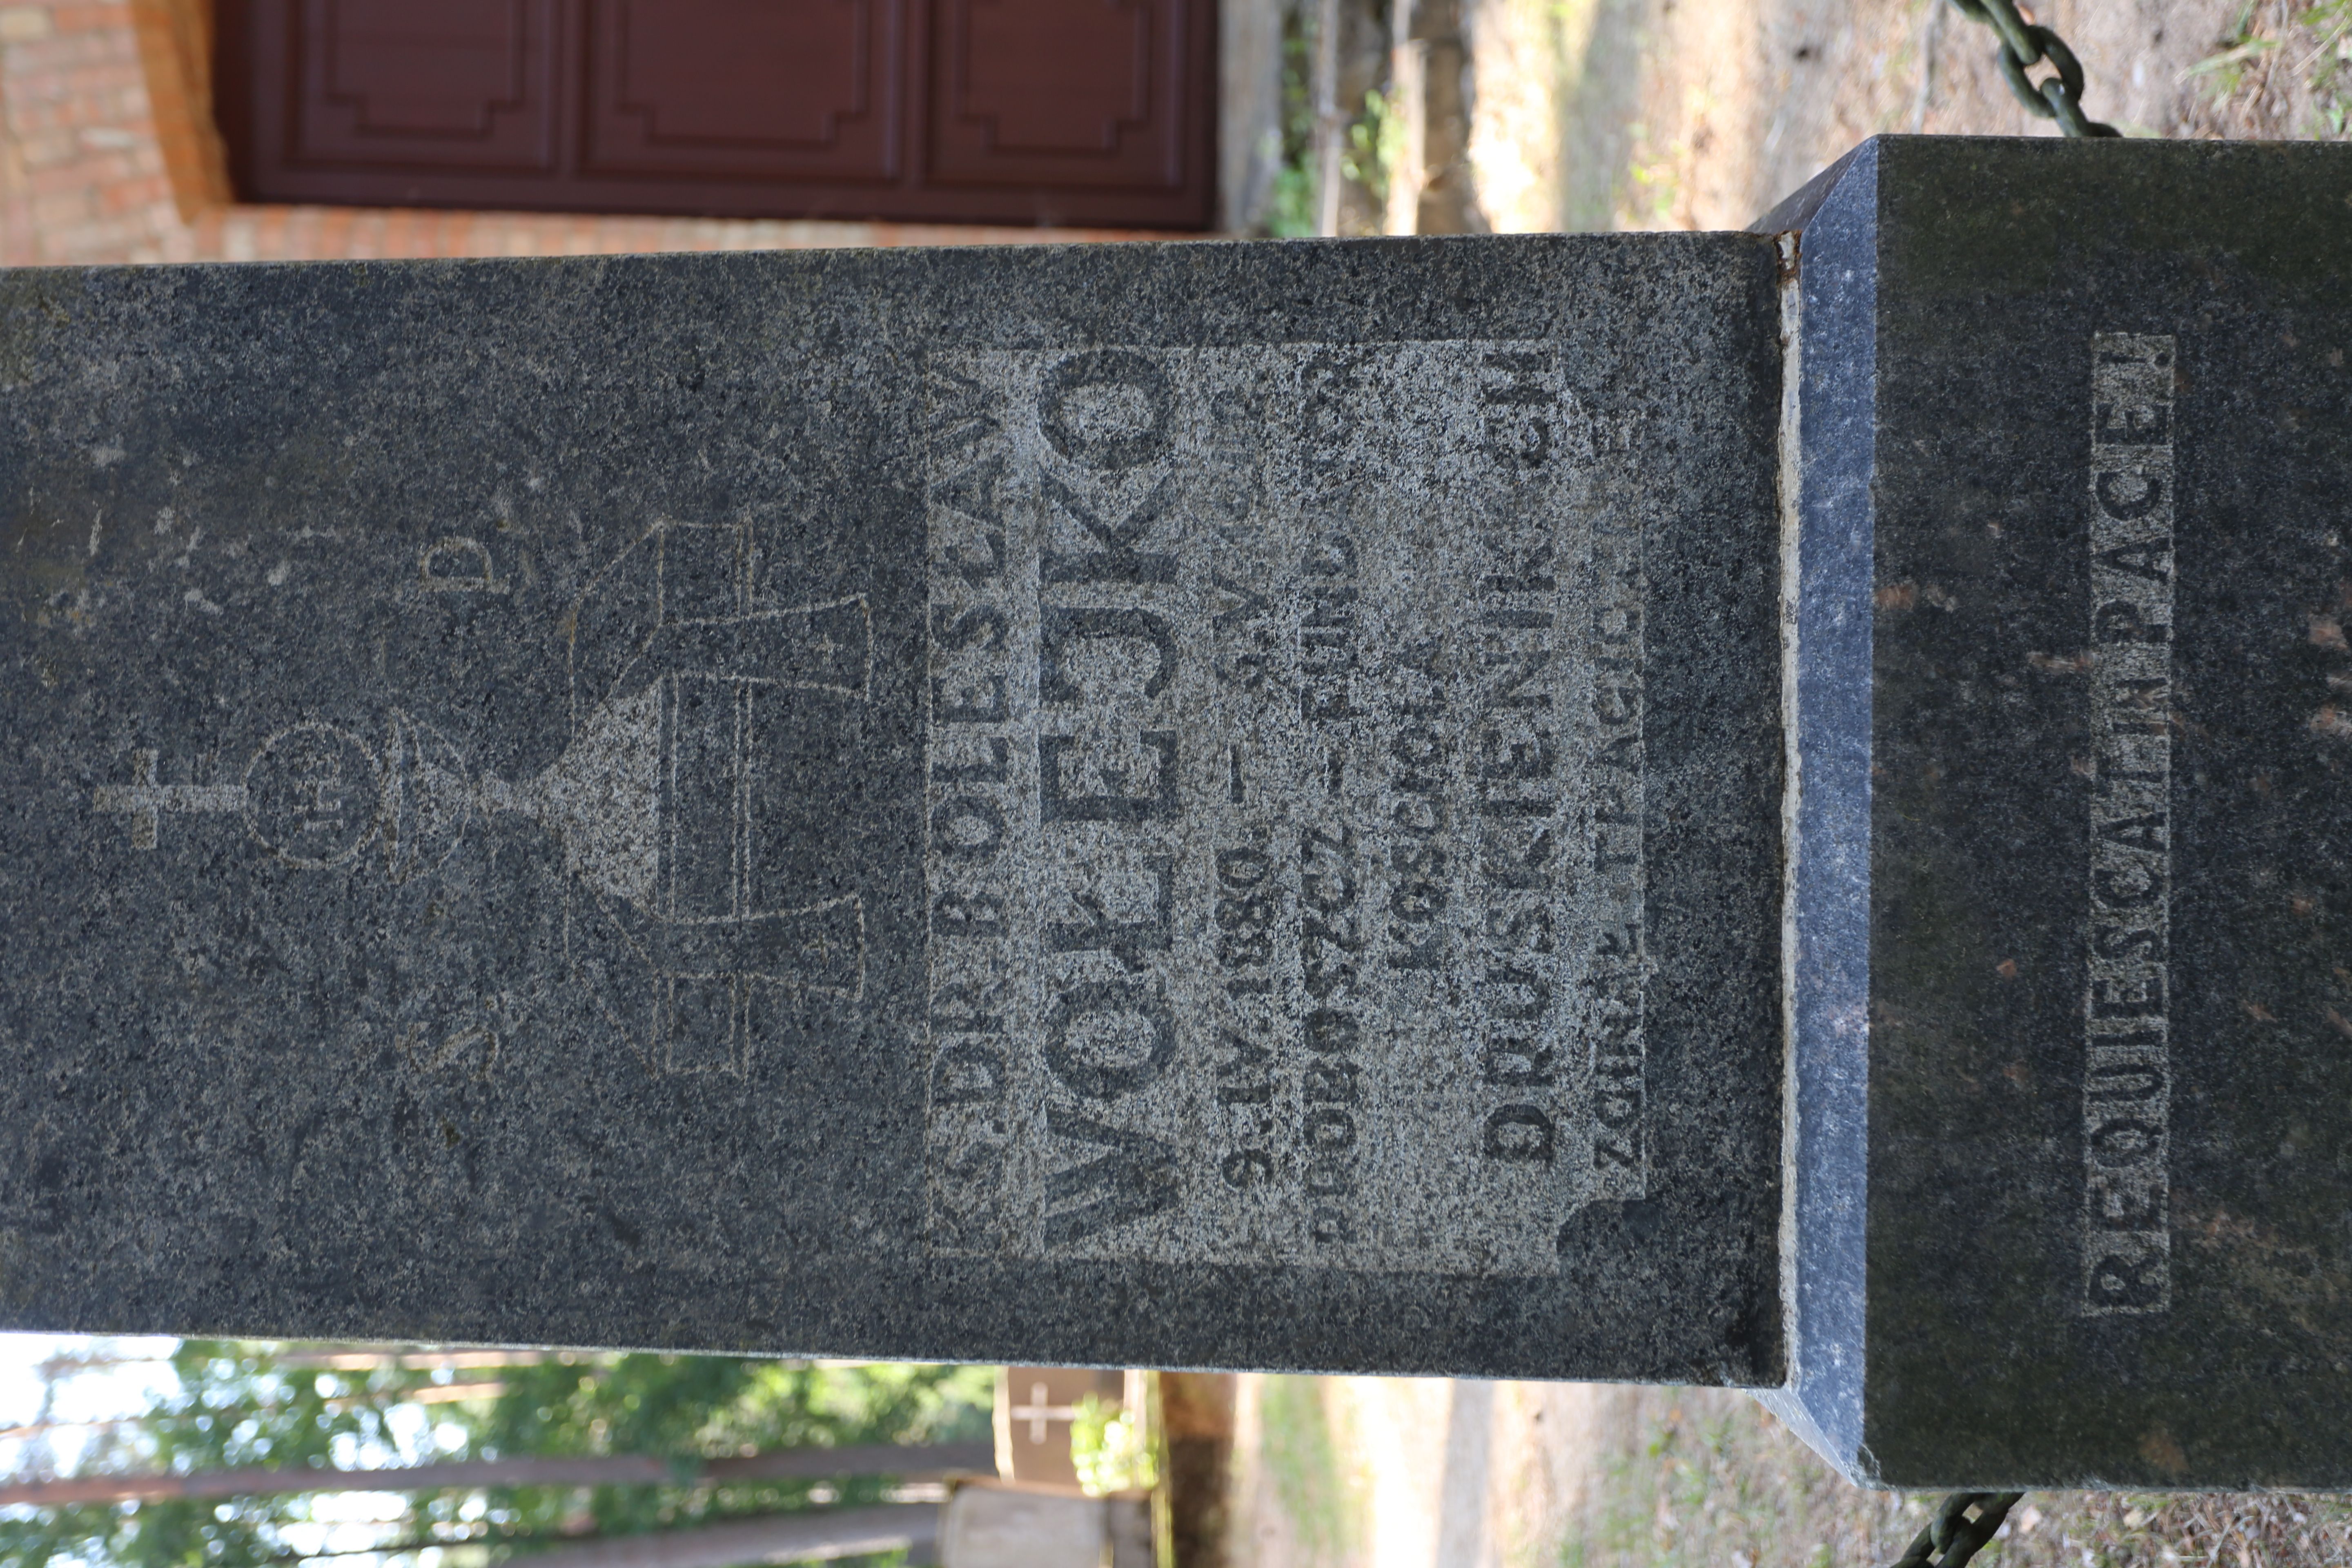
[1036, 1415]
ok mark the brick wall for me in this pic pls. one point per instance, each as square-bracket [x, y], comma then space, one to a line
[107, 154]
[82, 148]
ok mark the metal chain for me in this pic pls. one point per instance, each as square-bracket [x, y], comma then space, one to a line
[2023, 43]
[1952, 1537]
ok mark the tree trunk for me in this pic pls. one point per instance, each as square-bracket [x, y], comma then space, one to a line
[618, 1469]
[1449, 200]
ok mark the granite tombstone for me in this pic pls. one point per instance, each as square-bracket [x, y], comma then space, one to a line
[1224, 805]
[2071, 941]
[1208, 805]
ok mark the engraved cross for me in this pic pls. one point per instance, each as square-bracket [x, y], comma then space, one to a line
[145, 800]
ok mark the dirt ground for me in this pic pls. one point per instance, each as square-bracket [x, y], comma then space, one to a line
[1368, 1472]
[1424, 1473]
[1704, 113]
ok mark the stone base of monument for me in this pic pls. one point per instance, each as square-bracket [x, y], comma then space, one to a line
[1768, 809]
[2071, 901]
[995, 1525]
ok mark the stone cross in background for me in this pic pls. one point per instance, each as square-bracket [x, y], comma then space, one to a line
[1039, 1407]
[1764, 809]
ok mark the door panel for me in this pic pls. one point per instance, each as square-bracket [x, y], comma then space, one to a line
[1049, 111]
[426, 84]
[750, 88]
[1068, 93]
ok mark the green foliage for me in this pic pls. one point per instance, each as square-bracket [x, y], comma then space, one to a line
[1305, 1464]
[1371, 146]
[234, 1408]
[1375, 145]
[1110, 1447]
[2226, 71]
[239, 1406]
[1291, 212]
[711, 1405]
[2331, 65]
[2312, 42]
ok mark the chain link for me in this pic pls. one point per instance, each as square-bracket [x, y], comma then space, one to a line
[1952, 1537]
[2023, 43]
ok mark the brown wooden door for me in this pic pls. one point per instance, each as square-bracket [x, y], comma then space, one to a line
[1053, 111]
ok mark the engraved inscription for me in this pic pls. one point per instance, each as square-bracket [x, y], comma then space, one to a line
[687, 687]
[2126, 1084]
[1285, 807]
